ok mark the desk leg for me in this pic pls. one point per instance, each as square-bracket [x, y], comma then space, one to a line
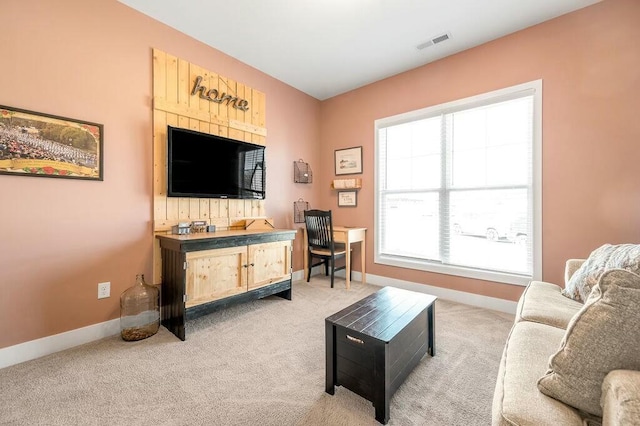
[363, 262]
[347, 246]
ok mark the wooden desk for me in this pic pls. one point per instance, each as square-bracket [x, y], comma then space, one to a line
[346, 235]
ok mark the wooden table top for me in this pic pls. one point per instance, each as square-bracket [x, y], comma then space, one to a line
[384, 313]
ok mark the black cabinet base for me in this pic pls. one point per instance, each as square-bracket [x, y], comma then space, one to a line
[281, 289]
[373, 345]
[174, 250]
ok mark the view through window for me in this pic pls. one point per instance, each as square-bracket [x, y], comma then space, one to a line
[456, 187]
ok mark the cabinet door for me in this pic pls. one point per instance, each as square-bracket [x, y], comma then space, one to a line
[214, 274]
[269, 263]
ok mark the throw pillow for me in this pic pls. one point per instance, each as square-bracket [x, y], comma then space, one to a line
[603, 336]
[622, 256]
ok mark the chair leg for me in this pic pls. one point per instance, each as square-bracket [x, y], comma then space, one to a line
[326, 267]
[310, 264]
[333, 269]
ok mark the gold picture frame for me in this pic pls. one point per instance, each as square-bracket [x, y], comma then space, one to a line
[347, 198]
[45, 145]
[348, 161]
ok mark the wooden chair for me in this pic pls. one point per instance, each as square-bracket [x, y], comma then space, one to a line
[320, 242]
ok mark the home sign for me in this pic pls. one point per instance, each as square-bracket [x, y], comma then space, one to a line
[214, 96]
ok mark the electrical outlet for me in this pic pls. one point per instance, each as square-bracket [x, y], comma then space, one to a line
[104, 290]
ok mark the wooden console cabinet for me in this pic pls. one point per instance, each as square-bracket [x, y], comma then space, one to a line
[202, 273]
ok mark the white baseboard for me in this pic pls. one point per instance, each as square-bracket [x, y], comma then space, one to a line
[472, 299]
[58, 342]
[297, 275]
[301, 274]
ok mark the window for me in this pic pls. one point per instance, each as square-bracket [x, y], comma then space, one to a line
[458, 187]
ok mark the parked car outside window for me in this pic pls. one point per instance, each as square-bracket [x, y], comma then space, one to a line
[492, 226]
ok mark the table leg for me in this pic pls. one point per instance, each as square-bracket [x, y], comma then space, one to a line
[381, 383]
[431, 315]
[330, 358]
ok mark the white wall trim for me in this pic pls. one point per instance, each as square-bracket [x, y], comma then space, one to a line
[47, 345]
[472, 299]
[58, 342]
[298, 276]
[531, 88]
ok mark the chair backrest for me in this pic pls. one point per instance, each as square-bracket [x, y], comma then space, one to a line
[319, 229]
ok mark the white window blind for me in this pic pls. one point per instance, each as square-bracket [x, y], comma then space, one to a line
[457, 187]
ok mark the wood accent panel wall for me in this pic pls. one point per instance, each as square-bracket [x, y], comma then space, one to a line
[173, 104]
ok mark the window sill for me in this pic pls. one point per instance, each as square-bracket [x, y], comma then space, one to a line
[423, 265]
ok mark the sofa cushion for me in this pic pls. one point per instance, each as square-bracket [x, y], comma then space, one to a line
[603, 336]
[622, 256]
[516, 400]
[570, 268]
[621, 398]
[543, 302]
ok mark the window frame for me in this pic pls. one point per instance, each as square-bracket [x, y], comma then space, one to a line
[534, 88]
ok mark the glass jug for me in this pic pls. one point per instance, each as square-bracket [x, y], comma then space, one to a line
[139, 311]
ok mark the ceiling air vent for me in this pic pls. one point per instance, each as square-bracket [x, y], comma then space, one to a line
[434, 40]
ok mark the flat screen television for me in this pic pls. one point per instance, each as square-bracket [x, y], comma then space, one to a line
[207, 166]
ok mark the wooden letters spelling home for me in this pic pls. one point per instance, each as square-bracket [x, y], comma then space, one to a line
[213, 96]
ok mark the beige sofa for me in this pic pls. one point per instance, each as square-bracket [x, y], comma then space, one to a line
[542, 317]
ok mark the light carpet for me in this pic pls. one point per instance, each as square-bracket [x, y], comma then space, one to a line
[259, 363]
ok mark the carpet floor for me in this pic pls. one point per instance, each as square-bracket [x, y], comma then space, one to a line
[259, 363]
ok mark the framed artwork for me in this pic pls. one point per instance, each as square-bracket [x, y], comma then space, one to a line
[37, 144]
[348, 161]
[347, 198]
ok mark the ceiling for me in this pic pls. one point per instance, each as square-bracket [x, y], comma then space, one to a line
[328, 47]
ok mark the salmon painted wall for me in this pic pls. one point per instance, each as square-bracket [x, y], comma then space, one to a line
[59, 238]
[588, 61]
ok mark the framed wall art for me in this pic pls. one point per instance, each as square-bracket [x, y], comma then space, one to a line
[347, 198]
[37, 144]
[348, 161]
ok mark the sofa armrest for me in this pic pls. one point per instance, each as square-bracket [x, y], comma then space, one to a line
[620, 399]
[571, 267]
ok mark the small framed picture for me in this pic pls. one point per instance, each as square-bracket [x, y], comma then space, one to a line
[348, 161]
[347, 198]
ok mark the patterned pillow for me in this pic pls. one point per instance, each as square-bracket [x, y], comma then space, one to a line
[623, 256]
[603, 336]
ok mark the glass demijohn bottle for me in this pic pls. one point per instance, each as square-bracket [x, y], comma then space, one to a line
[139, 311]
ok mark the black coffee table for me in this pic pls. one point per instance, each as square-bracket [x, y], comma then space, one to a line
[374, 344]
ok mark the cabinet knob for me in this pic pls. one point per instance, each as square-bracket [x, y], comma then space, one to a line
[252, 264]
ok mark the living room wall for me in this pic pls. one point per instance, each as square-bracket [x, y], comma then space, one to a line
[588, 61]
[92, 61]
